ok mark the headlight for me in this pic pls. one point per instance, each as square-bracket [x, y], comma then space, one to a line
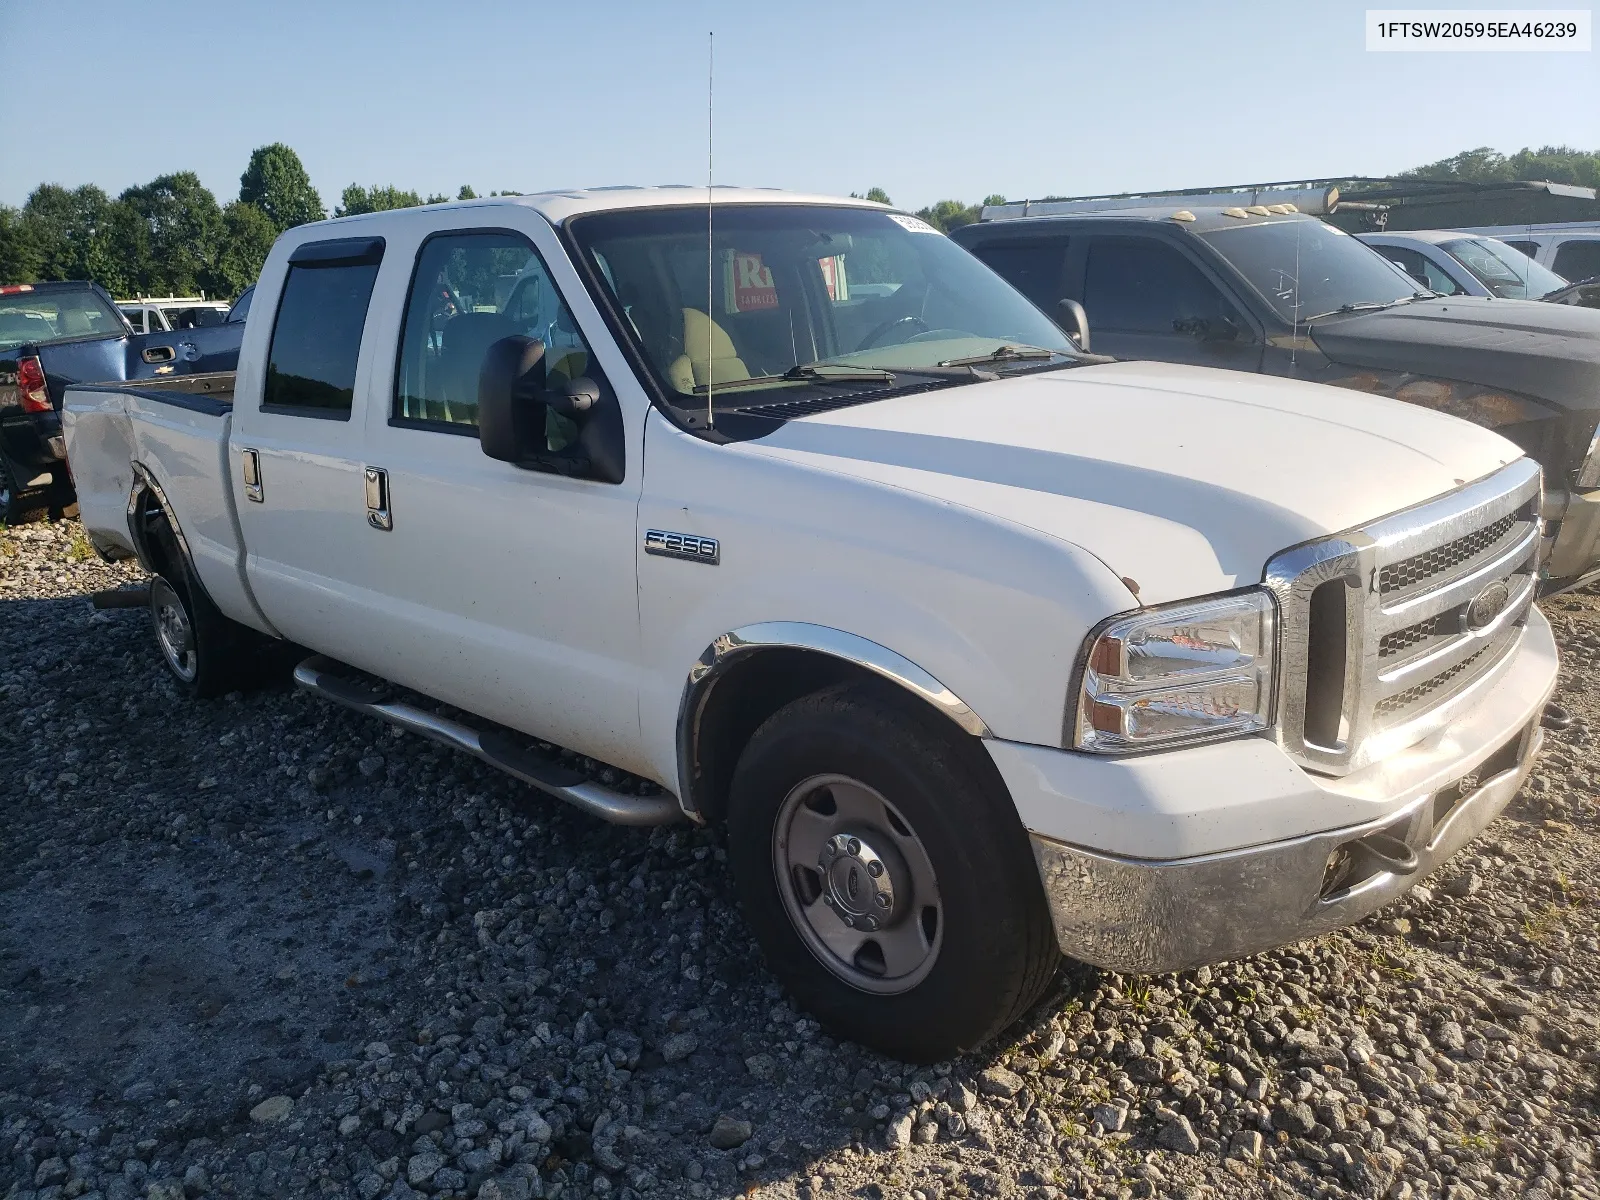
[1589, 473]
[1188, 672]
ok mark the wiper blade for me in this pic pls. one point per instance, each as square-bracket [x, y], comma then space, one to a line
[1366, 306]
[1000, 354]
[820, 372]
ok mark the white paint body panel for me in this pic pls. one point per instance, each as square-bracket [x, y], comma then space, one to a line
[979, 532]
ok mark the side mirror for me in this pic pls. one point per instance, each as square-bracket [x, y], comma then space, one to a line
[519, 415]
[1075, 321]
[510, 387]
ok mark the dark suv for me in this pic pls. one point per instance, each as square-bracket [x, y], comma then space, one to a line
[1283, 293]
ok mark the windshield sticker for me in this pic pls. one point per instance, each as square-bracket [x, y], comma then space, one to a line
[748, 283]
[913, 224]
[834, 278]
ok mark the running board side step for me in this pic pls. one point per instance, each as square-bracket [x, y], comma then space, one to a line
[317, 674]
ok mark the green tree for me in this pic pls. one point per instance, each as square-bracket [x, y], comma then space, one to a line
[1558, 164]
[466, 193]
[876, 195]
[356, 199]
[19, 253]
[950, 214]
[247, 235]
[181, 223]
[276, 183]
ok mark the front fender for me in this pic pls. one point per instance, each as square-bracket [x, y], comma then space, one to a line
[982, 618]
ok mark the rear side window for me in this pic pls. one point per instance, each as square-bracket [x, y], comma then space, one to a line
[1578, 260]
[1033, 267]
[1531, 249]
[311, 366]
[1139, 285]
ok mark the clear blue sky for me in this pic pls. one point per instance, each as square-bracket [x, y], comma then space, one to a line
[928, 101]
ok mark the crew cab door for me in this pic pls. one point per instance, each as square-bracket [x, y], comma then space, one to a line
[296, 450]
[1147, 298]
[507, 590]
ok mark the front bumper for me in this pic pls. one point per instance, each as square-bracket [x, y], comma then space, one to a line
[1127, 912]
[1572, 556]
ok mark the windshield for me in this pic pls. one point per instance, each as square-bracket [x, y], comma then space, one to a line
[1306, 269]
[54, 316]
[829, 297]
[1506, 272]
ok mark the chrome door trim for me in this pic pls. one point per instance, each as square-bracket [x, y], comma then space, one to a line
[739, 643]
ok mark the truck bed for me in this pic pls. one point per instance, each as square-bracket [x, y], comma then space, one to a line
[176, 429]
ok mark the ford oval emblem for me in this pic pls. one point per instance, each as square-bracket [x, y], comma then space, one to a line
[1488, 604]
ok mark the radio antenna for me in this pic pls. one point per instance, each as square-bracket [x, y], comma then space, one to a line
[711, 74]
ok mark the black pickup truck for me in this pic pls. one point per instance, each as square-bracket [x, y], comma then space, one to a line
[1280, 292]
[56, 334]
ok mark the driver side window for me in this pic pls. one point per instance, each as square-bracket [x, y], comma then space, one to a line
[468, 291]
[1140, 285]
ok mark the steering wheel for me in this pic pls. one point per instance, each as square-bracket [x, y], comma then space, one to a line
[893, 323]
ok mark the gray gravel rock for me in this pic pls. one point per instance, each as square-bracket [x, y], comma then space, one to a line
[729, 1132]
[210, 906]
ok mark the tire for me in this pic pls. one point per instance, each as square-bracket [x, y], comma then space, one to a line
[19, 506]
[204, 652]
[893, 805]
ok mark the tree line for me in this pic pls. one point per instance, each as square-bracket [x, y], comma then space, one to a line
[172, 236]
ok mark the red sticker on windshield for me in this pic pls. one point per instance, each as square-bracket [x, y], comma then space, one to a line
[753, 289]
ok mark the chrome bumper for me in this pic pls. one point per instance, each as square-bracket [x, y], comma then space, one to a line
[1140, 916]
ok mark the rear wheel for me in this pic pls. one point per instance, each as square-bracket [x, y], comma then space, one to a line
[19, 505]
[205, 653]
[887, 876]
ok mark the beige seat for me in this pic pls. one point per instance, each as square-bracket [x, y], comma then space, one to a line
[691, 368]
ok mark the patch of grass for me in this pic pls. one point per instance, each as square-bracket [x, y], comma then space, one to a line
[1244, 993]
[79, 549]
[1137, 995]
[1537, 926]
[1478, 1143]
[1391, 964]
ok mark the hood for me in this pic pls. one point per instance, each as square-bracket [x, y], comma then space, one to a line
[1184, 480]
[1548, 351]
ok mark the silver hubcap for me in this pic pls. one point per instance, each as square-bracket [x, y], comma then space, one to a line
[858, 884]
[173, 631]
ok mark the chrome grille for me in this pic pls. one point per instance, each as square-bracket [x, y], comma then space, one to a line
[1413, 614]
[1431, 562]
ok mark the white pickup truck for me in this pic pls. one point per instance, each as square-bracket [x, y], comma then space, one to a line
[984, 649]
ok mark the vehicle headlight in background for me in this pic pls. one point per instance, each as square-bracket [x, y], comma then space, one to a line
[1589, 473]
[1188, 672]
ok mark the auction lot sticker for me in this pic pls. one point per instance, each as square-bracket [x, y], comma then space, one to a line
[1479, 29]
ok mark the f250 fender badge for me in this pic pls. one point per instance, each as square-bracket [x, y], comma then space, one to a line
[688, 546]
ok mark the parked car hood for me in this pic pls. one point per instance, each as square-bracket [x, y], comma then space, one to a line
[1182, 480]
[1548, 351]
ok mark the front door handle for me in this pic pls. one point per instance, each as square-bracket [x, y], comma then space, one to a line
[252, 475]
[378, 515]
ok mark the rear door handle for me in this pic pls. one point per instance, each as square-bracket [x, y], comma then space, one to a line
[378, 515]
[252, 475]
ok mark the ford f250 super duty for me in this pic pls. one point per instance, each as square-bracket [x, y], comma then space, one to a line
[801, 520]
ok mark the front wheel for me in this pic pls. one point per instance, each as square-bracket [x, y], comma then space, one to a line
[887, 876]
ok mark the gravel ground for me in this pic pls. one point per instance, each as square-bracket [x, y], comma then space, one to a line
[264, 947]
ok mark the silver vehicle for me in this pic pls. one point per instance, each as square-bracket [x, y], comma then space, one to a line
[1453, 263]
